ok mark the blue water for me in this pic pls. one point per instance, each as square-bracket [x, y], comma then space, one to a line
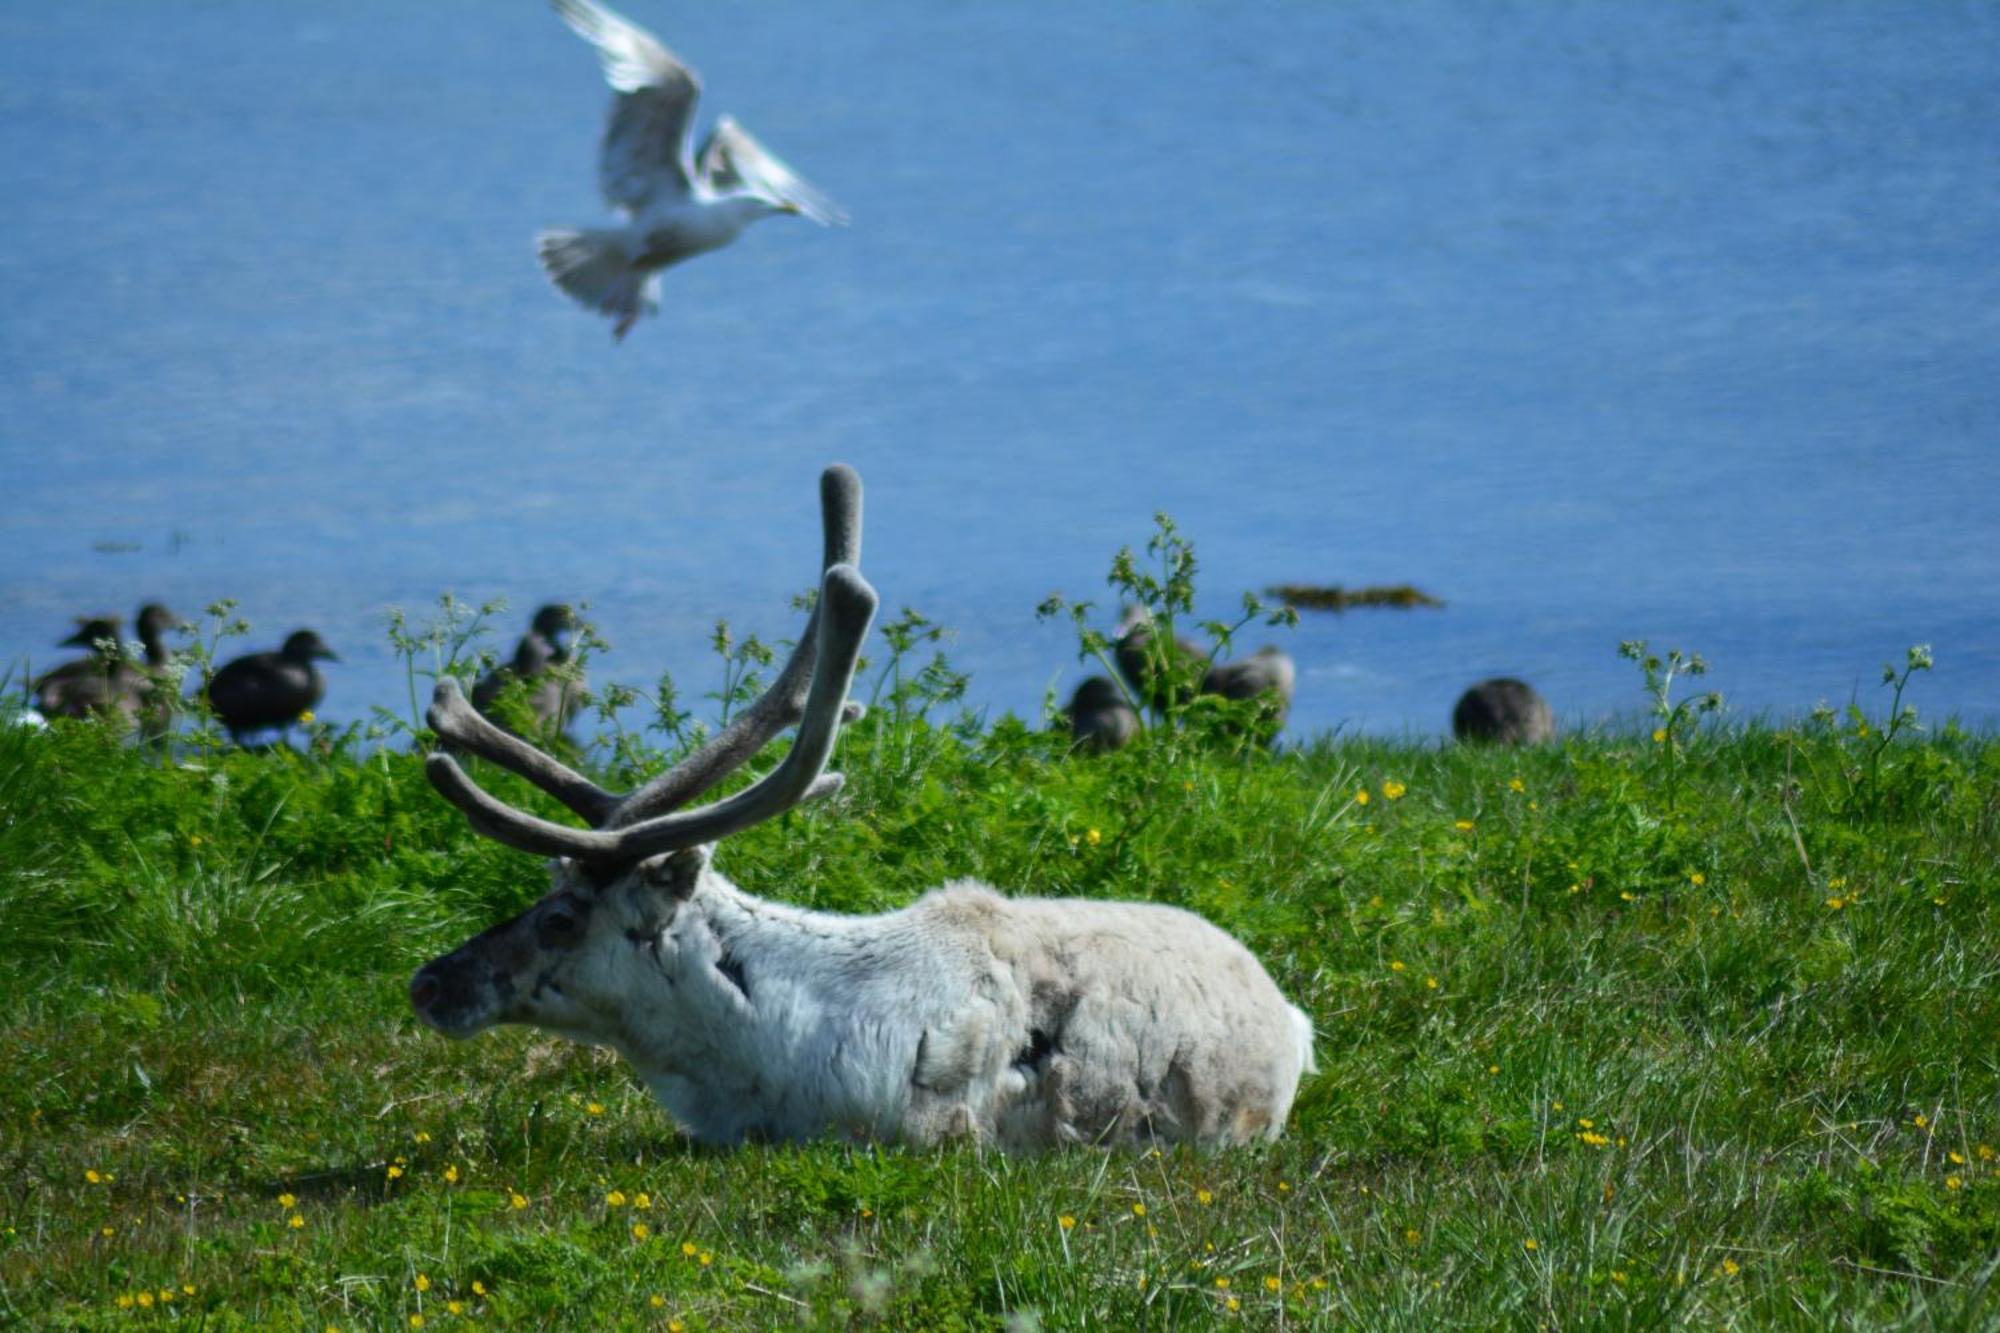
[1599, 322]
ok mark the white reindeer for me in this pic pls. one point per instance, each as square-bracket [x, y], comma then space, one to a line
[1021, 1022]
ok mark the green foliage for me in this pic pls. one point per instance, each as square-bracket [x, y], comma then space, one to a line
[1708, 1023]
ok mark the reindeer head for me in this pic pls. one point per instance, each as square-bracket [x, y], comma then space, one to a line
[576, 961]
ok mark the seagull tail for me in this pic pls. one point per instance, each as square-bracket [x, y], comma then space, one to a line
[593, 269]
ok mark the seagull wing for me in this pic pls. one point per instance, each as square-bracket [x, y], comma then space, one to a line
[645, 147]
[734, 163]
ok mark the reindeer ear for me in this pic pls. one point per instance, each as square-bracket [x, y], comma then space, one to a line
[676, 873]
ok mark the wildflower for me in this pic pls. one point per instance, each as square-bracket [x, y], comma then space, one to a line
[1953, 1182]
[1920, 1121]
[1594, 1140]
[108, 1231]
[416, 1321]
[395, 1172]
[595, 1108]
[92, 1176]
[1222, 1284]
[1618, 1276]
[676, 1326]
[1837, 882]
[640, 1231]
[478, 1287]
[1984, 1152]
[451, 1174]
[656, 1300]
[1464, 826]
[145, 1299]
[1395, 965]
[287, 1200]
[1361, 796]
[423, 1282]
[1092, 836]
[1412, 1236]
[423, 1136]
[1393, 790]
[187, 1288]
[1515, 784]
[1585, 1122]
[705, 1258]
[1730, 1268]
[1659, 735]
[517, 1201]
[1628, 895]
[1956, 1159]
[616, 1198]
[1836, 903]
[295, 1221]
[454, 1307]
[306, 718]
[1697, 878]
[1138, 1210]
[1493, 1069]
[689, 1248]
[1233, 1303]
[166, 1295]
[1204, 1198]
[1530, 1244]
[1557, 1105]
[646, 1201]
[1285, 1187]
[124, 1300]
[1430, 983]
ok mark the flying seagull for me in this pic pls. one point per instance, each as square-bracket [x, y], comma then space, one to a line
[679, 203]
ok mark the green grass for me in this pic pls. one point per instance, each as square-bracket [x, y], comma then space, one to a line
[1611, 1033]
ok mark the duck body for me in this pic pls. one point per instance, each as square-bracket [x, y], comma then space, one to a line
[265, 690]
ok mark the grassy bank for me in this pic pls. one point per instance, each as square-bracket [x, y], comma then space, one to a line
[1696, 1030]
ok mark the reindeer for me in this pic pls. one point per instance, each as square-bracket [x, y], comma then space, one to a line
[1019, 1022]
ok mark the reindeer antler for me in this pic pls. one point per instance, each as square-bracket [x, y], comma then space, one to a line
[811, 690]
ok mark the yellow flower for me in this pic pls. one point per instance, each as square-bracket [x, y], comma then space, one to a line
[706, 1259]
[451, 1175]
[1093, 837]
[1921, 1122]
[423, 1136]
[1953, 1182]
[1273, 1284]
[295, 1221]
[1204, 1198]
[1838, 882]
[1066, 1222]
[1697, 878]
[517, 1201]
[478, 1287]
[1395, 965]
[93, 1177]
[1138, 1210]
[1628, 895]
[1729, 1268]
[1430, 983]
[1985, 1152]
[1394, 790]
[187, 1288]
[416, 1321]
[1515, 784]
[1493, 1069]
[454, 1307]
[423, 1282]
[1956, 1159]
[306, 718]
[1585, 1122]
[108, 1231]
[1361, 796]
[640, 1231]
[642, 1201]
[1412, 1235]
[1285, 1187]
[1557, 1105]
[1594, 1140]
[595, 1108]
[1463, 826]
[676, 1326]
[1233, 1303]
[166, 1295]
[1530, 1244]
[1222, 1284]
[1836, 903]
[124, 1300]
[145, 1299]
[688, 1247]
[395, 1172]
[1659, 735]
[287, 1200]
[616, 1198]
[1618, 1277]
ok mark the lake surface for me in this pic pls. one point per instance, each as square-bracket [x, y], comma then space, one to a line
[1598, 322]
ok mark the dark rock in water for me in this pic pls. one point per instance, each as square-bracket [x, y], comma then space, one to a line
[1333, 597]
[551, 698]
[1268, 673]
[270, 689]
[1503, 711]
[1156, 683]
[1100, 719]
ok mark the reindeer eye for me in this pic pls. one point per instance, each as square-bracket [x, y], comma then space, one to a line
[558, 926]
